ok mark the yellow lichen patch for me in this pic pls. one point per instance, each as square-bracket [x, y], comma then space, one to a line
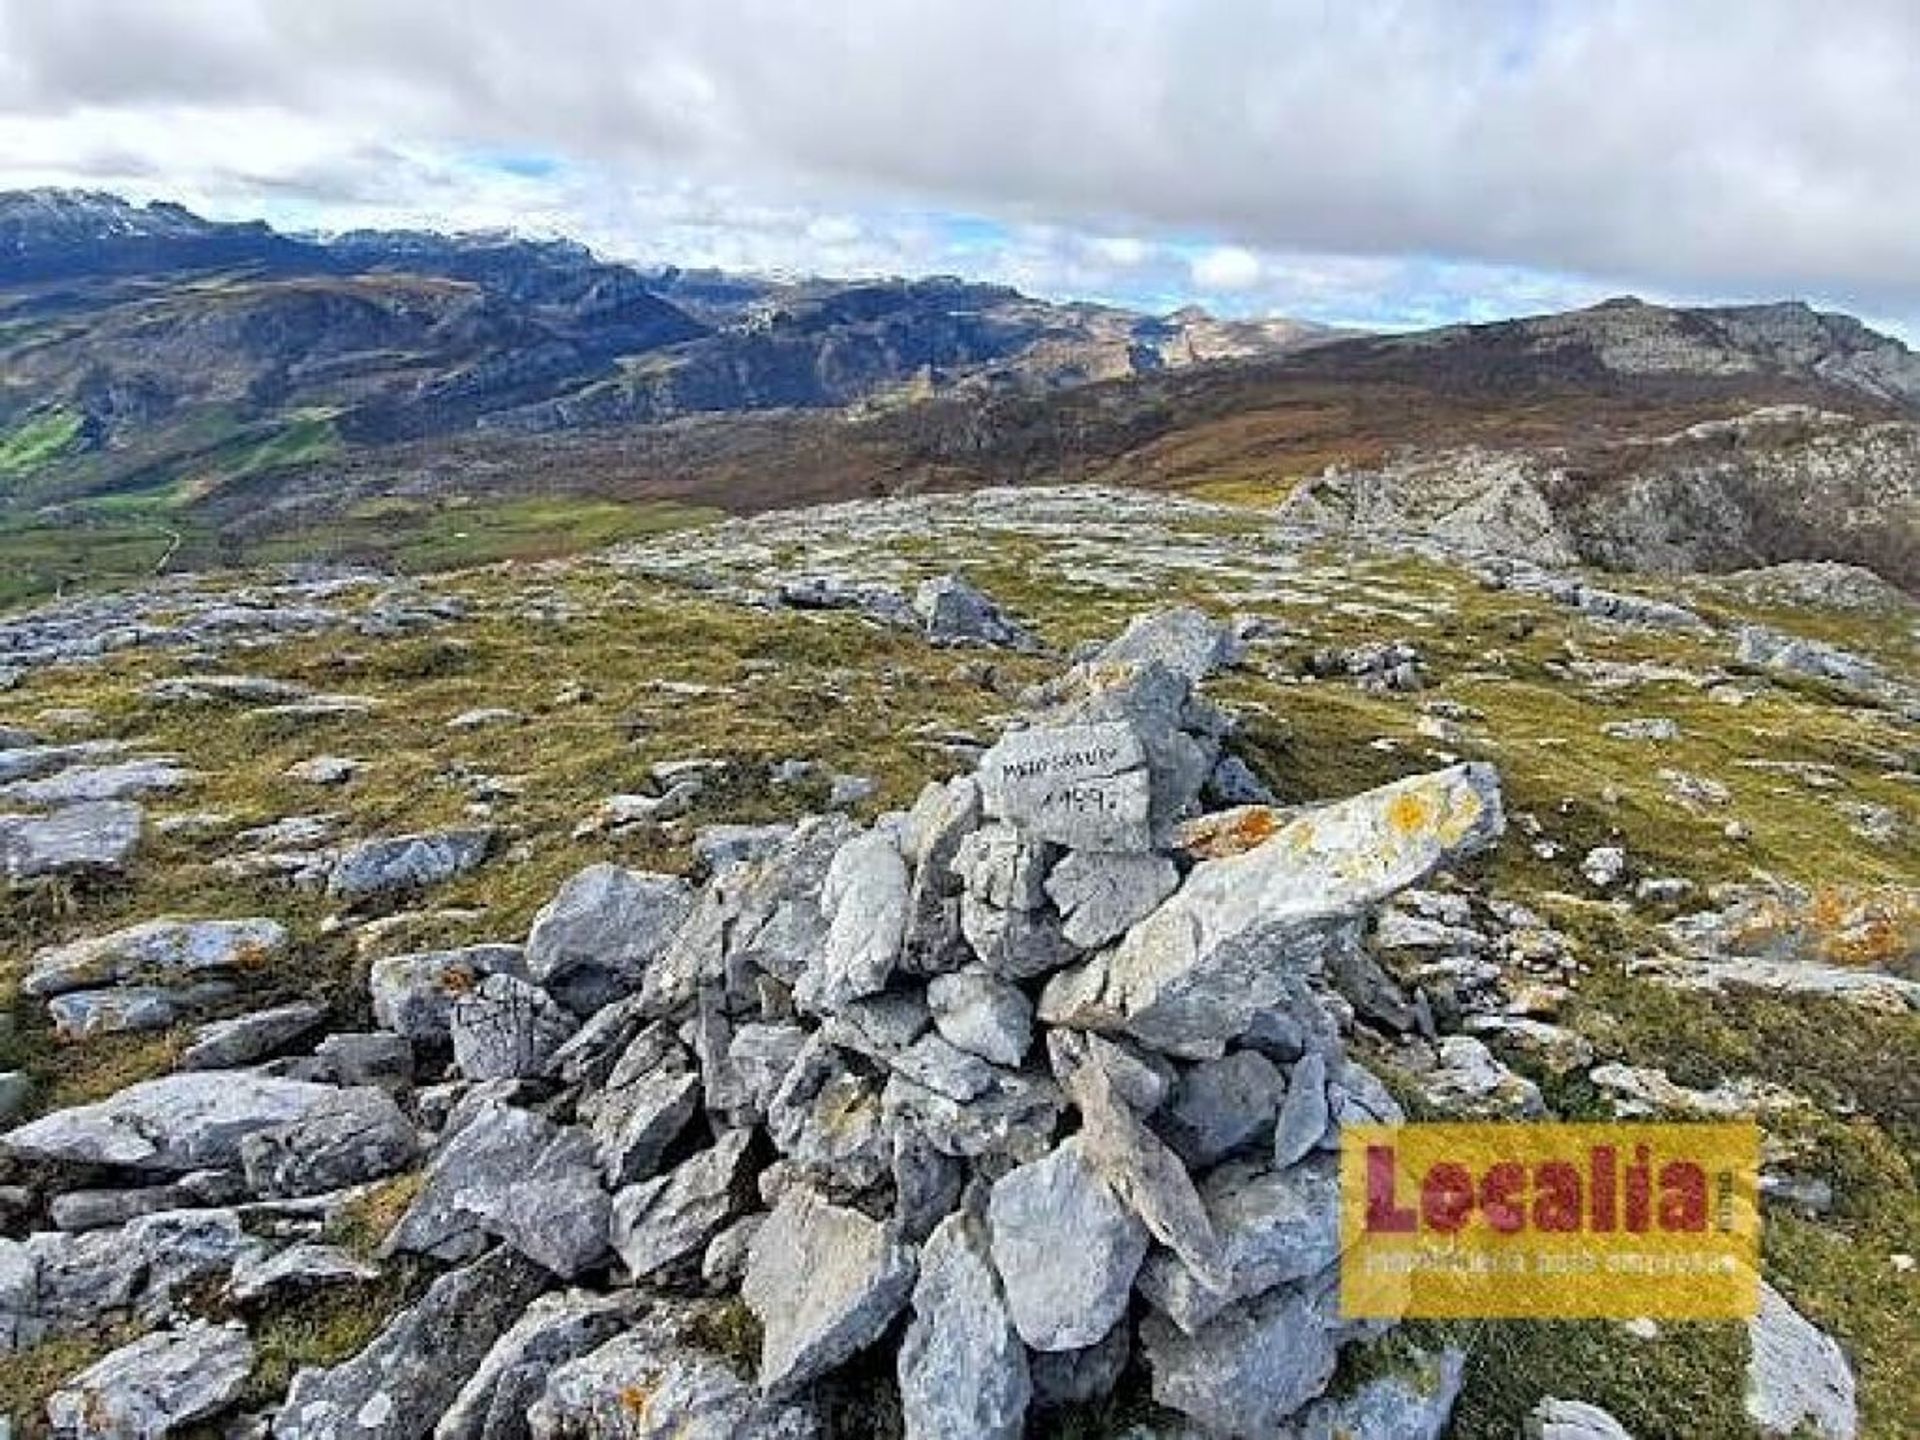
[1409, 813]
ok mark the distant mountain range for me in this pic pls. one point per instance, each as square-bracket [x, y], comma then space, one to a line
[229, 380]
[156, 344]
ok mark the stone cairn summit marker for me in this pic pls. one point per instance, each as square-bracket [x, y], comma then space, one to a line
[931, 1078]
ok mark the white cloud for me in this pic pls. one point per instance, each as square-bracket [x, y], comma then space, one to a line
[1226, 267]
[1719, 147]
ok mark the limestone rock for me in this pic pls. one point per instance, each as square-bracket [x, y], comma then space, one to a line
[983, 1015]
[594, 940]
[1273, 1228]
[403, 1381]
[304, 1266]
[1304, 1111]
[1186, 641]
[1250, 1369]
[1082, 786]
[1192, 975]
[245, 1039]
[159, 1384]
[358, 1135]
[190, 1121]
[653, 1384]
[1066, 1248]
[1220, 1106]
[1101, 896]
[962, 1368]
[399, 864]
[94, 784]
[157, 952]
[669, 1219]
[1414, 1402]
[556, 1328]
[633, 1124]
[95, 836]
[954, 612]
[519, 1176]
[823, 1282]
[414, 994]
[506, 1029]
[865, 896]
[1798, 1378]
[1555, 1419]
[1470, 1083]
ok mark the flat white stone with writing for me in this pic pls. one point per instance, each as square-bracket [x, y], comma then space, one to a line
[1082, 786]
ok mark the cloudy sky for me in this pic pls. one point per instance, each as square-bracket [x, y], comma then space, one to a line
[1381, 162]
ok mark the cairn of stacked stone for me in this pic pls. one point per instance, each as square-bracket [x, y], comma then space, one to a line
[1030, 1089]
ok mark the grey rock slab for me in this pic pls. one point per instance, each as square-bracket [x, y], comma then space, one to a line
[1009, 1122]
[1273, 1227]
[826, 1119]
[1469, 1083]
[1082, 786]
[1554, 1419]
[403, 863]
[983, 1015]
[516, 1175]
[955, 612]
[92, 784]
[1252, 1368]
[1147, 1176]
[245, 1039]
[941, 820]
[403, 1382]
[938, 1065]
[365, 1057]
[1415, 1402]
[158, 951]
[20, 759]
[303, 1266]
[1186, 641]
[1798, 1378]
[865, 899]
[1191, 976]
[593, 942]
[657, 1383]
[962, 1368]
[189, 1121]
[1304, 1113]
[669, 1219]
[414, 994]
[634, 1124]
[218, 689]
[325, 770]
[1066, 1249]
[358, 1135]
[159, 1384]
[824, 1282]
[507, 1029]
[555, 1329]
[1221, 1106]
[99, 836]
[84, 1014]
[761, 1055]
[1101, 896]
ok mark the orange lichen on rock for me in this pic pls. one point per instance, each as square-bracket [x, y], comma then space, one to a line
[1229, 832]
